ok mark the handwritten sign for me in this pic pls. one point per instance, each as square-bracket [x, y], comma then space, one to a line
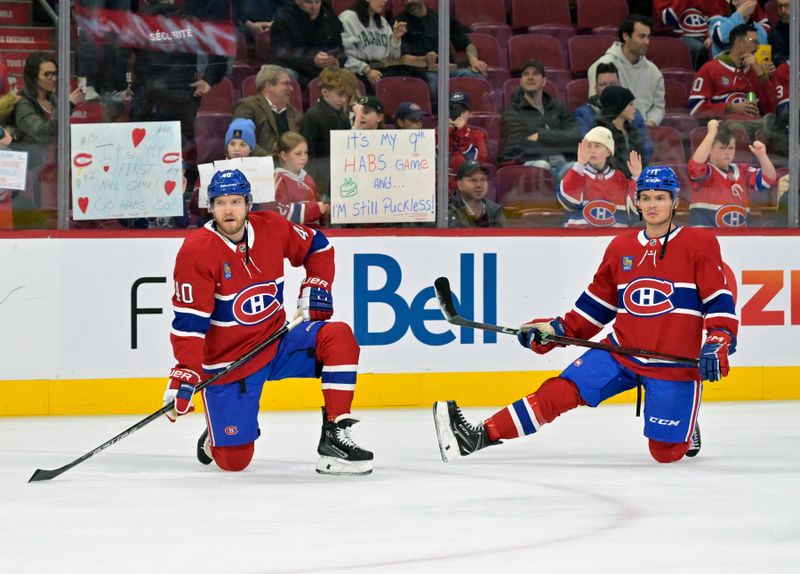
[259, 171]
[126, 170]
[13, 169]
[383, 176]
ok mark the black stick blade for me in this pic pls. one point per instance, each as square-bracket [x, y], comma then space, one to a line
[44, 475]
[442, 287]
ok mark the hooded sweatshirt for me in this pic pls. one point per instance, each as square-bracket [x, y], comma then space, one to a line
[643, 78]
[366, 46]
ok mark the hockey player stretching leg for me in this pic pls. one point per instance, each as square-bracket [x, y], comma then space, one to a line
[228, 298]
[662, 286]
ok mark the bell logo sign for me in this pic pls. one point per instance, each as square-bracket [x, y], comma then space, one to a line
[423, 309]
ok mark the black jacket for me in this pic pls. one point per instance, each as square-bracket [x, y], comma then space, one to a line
[624, 143]
[458, 215]
[317, 124]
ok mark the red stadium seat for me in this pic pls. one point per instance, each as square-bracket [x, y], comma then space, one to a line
[340, 6]
[219, 98]
[585, 51]
[577, 93]
[560, 33]
[771, 9]
[502, 32]
[394, 90]
[478, 90]
[497, 77]
[241, 48]
[592, 14]
[490, 123]
[524, 47]
[682, 122]
[669, 53]
[526, 13]
[471, 12]
[685, 77]
[560, 79]
[528, 193]
[263, 47]
[667, 145]
[489, 50]
[209, 133]
[676, 96]
[239, 73]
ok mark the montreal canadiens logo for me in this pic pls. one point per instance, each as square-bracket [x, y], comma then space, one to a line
[648, 297]
[736, 97]
[231, 430]
[600, 213]
[731, 216]
[256, 303]
[694, 22]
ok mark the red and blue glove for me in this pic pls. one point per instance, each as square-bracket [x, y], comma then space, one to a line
[535, 338]
[179, 392]
[316, 300]
[714, 354]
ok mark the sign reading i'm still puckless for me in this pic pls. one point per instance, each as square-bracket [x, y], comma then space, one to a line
[126, 170]
[383, 176]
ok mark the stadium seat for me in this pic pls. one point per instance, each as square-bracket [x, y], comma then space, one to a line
[219, 98]
[340, 6]
[525, 13]
[497, 77]
[771, 9]
[490, 123]
[479, 92]
[560, 79]
[502, 32]
[240, 71]
[528, 193]
[592, 14]
[676, 96]
[585, 51]
[209, 133]
[685, 77]
[669, 53]
[682, 122]
[394, 90]
[489, 50]
[241, 48]
[263, 47]
[667, 145]
[577, 93]
[560, 33]
[249, 89]
[471, 12]
[524, 47]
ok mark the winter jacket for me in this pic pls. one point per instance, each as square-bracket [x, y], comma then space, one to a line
[624, 143]
[586, 116]
[643, 78]
[459, 215]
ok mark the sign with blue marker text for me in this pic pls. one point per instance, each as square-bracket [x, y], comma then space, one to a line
[383, 176]
[126, 170]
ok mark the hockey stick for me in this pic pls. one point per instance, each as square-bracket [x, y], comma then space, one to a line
[49, 474]
[442, 287]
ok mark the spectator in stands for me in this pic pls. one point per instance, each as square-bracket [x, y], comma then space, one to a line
[370, 43]
[468, 206]
[592, 191]
[689, 20]
[296, 196]
[721, 87]
[270, 109]
[8, 100]
[779, 35]
[618, 110]
[636, 72]
[777, 125]
[586, 115]
[240, 139]
[255, 16]
[720, 187]
[466, 143]
[408, 116]
[739, 12]
[337, 87]
[307, 38]
[421, 42]
[368, 114]
[102, 65]
[537, 130]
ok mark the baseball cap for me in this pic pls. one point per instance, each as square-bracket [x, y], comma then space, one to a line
[408, 111]
[460, 98]
[533, 64]
[371, 102]
[469, 167]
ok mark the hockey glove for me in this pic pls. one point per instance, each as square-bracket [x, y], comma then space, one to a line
[714, 355]
[316, 300]
[534, 334]
[179, 391]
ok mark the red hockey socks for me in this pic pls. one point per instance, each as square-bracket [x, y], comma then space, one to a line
[668, 451]
[233, 458]
[338, 352]
[525, 416]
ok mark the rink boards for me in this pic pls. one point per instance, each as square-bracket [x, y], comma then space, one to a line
[86, 318]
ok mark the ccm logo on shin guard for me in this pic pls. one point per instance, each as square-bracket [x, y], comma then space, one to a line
[664, 422]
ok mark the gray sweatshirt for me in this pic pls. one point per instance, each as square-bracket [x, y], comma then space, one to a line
[363, 45]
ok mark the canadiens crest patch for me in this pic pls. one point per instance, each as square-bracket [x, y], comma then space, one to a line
[627, 262]
[242, 248]
[226, 270]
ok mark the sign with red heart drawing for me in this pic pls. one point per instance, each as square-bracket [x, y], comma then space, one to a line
[126, 170]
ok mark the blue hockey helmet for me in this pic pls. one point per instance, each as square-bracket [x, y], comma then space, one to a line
[658, 178]
[228, 182]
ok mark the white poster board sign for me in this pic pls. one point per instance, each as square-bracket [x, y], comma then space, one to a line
[259, 171]
[13, 169]
[126, 170]
[383, 176]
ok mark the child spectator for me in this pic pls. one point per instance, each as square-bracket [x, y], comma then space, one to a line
[592, 191]
[296, 196]
[408, 116]
[240, 139]
[619, 111]
[468, 206]
[465, 143]
[368, 114]
[720, 187]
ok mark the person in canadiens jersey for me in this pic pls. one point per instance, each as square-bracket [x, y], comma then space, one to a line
[229, 296]
[662, 286]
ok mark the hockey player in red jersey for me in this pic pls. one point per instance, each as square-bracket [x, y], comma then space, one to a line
[229, 293]
[721, 188]
[662, 286]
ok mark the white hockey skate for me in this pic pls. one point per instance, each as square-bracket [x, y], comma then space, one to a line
[339, 454]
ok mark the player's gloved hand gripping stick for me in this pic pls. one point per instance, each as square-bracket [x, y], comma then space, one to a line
[543, 339]
[48, 474]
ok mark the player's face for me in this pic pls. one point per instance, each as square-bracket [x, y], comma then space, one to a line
[336, 98]
[295, 159]
[639, 40]
[230, 214]
[238, 148]
[721, 154]
[656, 206]
[606, 79]
[474, 186]
[598, 154]
[369, 119]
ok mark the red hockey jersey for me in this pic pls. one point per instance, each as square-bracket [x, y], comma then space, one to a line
[657, 304]
[296, 197]
[719, 83]
[689, 17]
[596, 199]
[229, 297]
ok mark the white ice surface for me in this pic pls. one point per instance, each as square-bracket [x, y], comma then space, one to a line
[581, 496]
